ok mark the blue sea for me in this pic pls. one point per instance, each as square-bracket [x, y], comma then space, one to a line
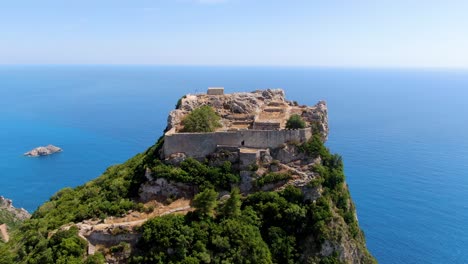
[403, 135]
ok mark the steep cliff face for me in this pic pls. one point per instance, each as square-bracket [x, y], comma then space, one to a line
[281, 204]
[7, 205]
[10, 217]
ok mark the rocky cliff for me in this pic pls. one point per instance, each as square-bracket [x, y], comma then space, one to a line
[278, 204]
[6, 205]
[10, 217]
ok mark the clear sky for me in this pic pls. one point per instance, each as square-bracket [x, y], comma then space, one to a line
[346, 33]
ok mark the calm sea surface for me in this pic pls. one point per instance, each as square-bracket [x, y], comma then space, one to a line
[403, 135]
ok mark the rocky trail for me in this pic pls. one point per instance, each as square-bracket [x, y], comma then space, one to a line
[4, 233]
[113, 231]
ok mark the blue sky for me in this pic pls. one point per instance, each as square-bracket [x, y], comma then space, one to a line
[332, 33]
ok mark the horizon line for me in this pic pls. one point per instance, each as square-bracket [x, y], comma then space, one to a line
[363, 67]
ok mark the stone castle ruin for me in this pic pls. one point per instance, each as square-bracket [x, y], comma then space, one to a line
[252, 124]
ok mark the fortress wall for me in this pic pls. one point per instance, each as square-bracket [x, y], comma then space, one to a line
[201, 144]
[266, 126]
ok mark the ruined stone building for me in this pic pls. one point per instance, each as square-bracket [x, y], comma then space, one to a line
[251, 124]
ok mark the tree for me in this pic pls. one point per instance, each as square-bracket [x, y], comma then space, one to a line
[282, 246]
[232, 207]
[202, 119]
[237, 242]
[97, 258]
[6, 257]
[314, 147]
[295, 122]
[205, 202]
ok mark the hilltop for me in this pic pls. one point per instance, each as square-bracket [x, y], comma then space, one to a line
[236, 178]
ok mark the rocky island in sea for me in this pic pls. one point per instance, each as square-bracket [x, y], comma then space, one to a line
[236, 178]
[43, 151]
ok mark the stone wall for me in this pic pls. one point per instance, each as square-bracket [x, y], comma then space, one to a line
[248, 157]
[266, 125]
[199, 145]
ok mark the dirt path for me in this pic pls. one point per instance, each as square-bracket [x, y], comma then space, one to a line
[96, 234]
[141, 221]
[4, 233]
[159, 210]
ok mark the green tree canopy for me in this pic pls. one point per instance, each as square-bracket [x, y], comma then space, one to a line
[232, 207]
[202, 119]
[295, 122]
[205, 202]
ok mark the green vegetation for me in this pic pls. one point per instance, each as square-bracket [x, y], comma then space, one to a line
[295, 122]
[314, 147]
[232, 207]
[9, 219]
[271, 177]
[202, 119]
[263, 227]
[181, 239]
[192, 171]
[205, 203]
[109, 195]
[283, 221]
[64, 247]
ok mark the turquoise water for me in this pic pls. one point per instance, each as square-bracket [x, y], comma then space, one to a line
[403, 136]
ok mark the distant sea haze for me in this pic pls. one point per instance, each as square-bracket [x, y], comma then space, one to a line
[402, 134]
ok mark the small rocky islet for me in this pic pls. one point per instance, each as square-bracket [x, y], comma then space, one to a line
[43, 151]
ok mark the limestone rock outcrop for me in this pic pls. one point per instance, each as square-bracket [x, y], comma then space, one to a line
[9, 217]
[19, 213]
[43, 151]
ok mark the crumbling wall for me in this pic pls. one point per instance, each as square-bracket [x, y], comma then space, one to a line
[199, 145]
[266, 125]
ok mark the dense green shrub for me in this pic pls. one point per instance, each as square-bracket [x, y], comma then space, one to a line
[194, 172]
[9, 219]
[202, 119]
[6, 256]
[295, 122]
[232, 207]
[183, 239]
[97, 258]
[271, 177]
[205, 202]
[314, 147]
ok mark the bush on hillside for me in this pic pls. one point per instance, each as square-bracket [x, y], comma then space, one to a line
[202, 119]
[295, 122]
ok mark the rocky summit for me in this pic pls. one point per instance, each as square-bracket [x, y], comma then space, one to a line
[258, 110]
